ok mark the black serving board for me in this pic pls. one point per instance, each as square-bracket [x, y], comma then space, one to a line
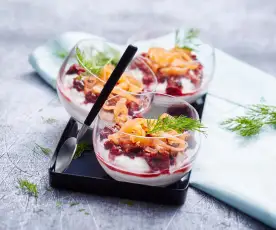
[86, 175]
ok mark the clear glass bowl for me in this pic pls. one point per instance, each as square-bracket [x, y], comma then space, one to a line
[189, 82]
[87, 68]
[146, 159]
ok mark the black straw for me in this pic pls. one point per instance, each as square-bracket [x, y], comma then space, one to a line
[110, 84]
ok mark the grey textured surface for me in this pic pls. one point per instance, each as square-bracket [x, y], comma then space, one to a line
[244, 28]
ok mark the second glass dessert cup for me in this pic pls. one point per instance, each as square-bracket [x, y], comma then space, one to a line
[139, 148]
[183, 64]
[86, 70]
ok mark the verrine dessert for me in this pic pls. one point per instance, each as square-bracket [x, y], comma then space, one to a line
[86, 70]
[182, 64]
[154, 146]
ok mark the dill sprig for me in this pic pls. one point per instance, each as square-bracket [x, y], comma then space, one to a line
[61, 54]
[58, 204]
[46, 151]
[188, 41]
[192, 34]
[49, 120]
[28, 187]
[94, 63]
[266, 113]
[256, 117]
[74, 204]
[81, 147]
[127, 202]
[179, 124]
[243, 125]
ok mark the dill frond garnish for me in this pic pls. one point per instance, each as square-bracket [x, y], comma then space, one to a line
[179, 124]
[256, 117]
[192, 34]
[187, 42]
[94, 63]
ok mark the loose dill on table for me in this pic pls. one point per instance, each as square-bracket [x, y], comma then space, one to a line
[58, 204]
[49, 120]
[61, 54]
[46, 151]
[28, 187]
[74, 204]
[257, 116]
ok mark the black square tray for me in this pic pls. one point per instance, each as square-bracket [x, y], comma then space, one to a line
[86, 175]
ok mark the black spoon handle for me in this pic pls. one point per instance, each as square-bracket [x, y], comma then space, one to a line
[110, 84]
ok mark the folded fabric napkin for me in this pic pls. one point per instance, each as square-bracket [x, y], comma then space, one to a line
[236, 170]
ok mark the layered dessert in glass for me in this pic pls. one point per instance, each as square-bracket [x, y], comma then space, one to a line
[154, 146]
[86, 70]
[183, 65]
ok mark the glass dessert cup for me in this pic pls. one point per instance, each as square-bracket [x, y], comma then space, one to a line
[148, 159]
[87, 68]
[183, 67]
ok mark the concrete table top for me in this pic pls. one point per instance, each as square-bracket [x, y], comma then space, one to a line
[243, 28]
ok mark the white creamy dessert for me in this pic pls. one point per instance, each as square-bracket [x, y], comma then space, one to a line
[72, 100]
[145, 179]
[136, 170]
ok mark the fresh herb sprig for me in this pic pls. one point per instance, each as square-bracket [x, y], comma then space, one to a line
[127, 202]
[49, 120]
[188, 41]
[94, 63]
[28, 187]
[256, 117]
[192, 34]
[74, 204]
[179, 124]
[58, 204]
[83, 210]
[61, 54]
[46, 151]
[81, 147]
